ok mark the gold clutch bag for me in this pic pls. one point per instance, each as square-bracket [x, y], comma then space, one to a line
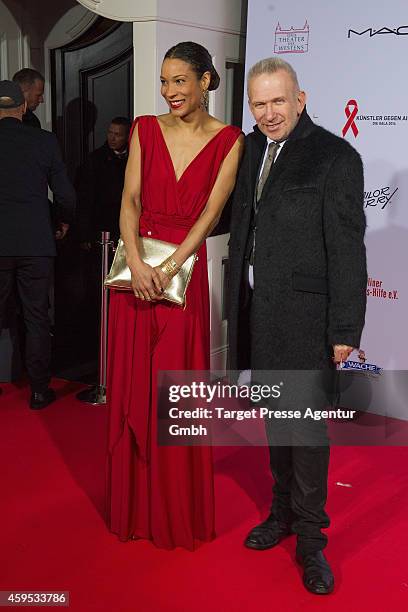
[152, 252]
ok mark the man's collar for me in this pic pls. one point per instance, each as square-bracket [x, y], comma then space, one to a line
[10, 120]
[122, 153]
[281, 143]
[114, 154]
[302, 129]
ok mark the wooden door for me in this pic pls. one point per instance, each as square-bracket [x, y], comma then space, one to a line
[92, 82]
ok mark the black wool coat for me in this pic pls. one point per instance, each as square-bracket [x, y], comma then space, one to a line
[30, 161]
[99, 185]
[29, 118]
[310, 265]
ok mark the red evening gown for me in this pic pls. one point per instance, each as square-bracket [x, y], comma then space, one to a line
[161, 493]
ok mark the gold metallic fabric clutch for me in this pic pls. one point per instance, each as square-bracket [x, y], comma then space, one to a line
[152, 252]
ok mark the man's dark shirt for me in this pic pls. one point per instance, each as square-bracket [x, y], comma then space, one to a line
[30, 161]
[30, 119]
[100, 184]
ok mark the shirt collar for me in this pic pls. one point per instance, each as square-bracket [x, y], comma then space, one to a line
[10, 121]
[269, 141]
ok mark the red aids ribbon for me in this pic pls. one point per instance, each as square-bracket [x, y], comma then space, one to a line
[350, 118]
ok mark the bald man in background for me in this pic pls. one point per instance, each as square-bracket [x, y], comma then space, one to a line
[30, 161]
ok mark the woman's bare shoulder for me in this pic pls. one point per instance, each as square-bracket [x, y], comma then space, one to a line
[215, 124]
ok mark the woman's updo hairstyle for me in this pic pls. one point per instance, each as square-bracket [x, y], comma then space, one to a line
[199, 59]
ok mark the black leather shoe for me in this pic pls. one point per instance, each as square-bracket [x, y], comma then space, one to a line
[42, 399]
[317, 575]
[267, 534]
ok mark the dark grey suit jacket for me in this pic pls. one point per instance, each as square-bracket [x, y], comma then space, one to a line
[30, 161]
[310, 264]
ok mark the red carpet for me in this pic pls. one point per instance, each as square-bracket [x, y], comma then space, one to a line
[53, 535]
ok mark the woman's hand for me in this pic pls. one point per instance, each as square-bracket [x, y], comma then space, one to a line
[164, 279]
[146, 282]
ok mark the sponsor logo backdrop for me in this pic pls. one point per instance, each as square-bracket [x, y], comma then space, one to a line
[350, 60]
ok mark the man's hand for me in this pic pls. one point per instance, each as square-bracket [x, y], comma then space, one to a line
[61, 231]
[341, 352]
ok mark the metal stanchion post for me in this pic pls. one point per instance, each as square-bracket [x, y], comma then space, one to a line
[97, 393]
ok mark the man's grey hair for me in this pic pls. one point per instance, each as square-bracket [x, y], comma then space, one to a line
[269, 65]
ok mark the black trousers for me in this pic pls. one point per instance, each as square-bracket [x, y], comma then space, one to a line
[32, 277]
[299, 459]
[300, 492]
[300, 470]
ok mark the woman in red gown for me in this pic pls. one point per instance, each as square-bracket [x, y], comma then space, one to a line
[181, 171]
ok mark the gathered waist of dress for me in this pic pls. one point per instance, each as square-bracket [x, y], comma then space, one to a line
[148, 219]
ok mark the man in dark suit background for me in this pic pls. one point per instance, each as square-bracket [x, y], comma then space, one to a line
[297, 286]
[30, 161]
[32, 85]
[100, 185]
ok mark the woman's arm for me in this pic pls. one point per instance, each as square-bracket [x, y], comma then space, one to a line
[145, 281]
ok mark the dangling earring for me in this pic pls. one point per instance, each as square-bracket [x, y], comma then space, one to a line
[204, 100]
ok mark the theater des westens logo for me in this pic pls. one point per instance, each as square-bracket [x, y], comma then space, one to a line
[292, 40]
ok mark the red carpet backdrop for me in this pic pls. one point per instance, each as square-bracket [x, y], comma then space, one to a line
[350, 57]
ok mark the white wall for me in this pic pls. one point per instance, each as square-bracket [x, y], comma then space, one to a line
[222, 15]
[14, 46]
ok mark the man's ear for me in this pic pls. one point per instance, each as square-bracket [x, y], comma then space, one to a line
[301, 100]
[21, 110]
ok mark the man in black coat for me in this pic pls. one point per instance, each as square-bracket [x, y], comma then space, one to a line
[100, 185]
[32, 83]
[30, 161]
[297, 287]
